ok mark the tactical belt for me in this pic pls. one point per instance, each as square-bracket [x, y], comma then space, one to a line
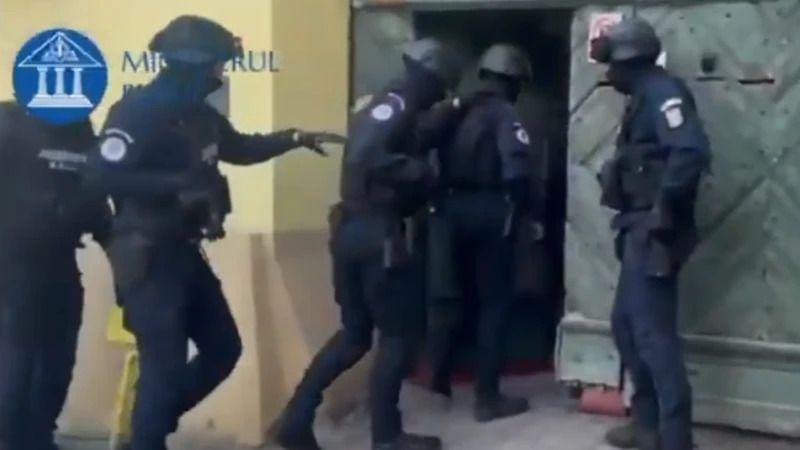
[473, 188]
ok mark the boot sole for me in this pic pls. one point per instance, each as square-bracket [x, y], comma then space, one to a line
[487, 417]
[288, 444]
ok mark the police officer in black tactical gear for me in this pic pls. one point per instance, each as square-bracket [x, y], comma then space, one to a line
[385, 179]
[652, 181]
[158, 159]
[43, 215]
[485, 197]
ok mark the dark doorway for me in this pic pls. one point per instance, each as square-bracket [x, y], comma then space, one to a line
[544, 107]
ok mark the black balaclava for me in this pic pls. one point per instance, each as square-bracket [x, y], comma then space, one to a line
[509, 87]
[190, 83]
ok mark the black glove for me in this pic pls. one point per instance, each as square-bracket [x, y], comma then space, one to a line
[313, 140]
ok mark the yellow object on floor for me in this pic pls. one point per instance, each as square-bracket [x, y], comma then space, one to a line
[126, 390]
[116, 331]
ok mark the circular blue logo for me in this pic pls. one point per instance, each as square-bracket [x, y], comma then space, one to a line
[60, 76]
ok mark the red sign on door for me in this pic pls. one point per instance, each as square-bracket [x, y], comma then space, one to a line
[599, 24]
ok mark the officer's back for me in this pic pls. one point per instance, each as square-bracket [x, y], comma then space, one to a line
[485, 191]
[44, 211]
[385, 174]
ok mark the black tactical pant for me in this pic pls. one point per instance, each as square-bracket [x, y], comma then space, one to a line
[644, 324]
[40, 317]
[180, 300]
[370, 296]
[484, 260]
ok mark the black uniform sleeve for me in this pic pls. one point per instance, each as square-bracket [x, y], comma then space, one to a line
[514, 145]
[518, 157]
[8, 164]
[96, 211]
[116, 167]
[5, 150]
[680, 132]
[385, 125]
[245, 149]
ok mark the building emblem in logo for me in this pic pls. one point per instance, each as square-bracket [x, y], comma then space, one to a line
[60, 76]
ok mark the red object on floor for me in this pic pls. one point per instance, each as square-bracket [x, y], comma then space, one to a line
[606, 402]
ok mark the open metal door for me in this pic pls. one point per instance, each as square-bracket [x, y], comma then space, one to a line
[377, 39]
[740, 310]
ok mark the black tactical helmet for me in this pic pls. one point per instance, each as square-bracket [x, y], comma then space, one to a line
[436, 57]
[508, 60]
[633, 38]
[196, 40]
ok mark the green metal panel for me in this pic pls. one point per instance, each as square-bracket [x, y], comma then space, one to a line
[378, 36]
[740, 310]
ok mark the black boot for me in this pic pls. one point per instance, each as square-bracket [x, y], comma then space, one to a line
[295, 435]
[623, 436]
[647, 439]
[408, 441]
[631, 436]
[304, 440]
[442, 388]
[499, 407]
[295, 428]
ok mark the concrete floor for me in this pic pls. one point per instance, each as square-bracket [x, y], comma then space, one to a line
[553, 424]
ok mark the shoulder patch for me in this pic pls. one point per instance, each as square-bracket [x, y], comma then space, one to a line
[522, 134]
[113, 149]
[671, 103]
[399, 99]
[673, 112]
[382, 112]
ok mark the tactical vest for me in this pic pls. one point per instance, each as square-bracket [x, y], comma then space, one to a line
[191, 140]
[358, 190]
[631, 180]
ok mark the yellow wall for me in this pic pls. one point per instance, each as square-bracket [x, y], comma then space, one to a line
[311, 92]
[274, 263]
